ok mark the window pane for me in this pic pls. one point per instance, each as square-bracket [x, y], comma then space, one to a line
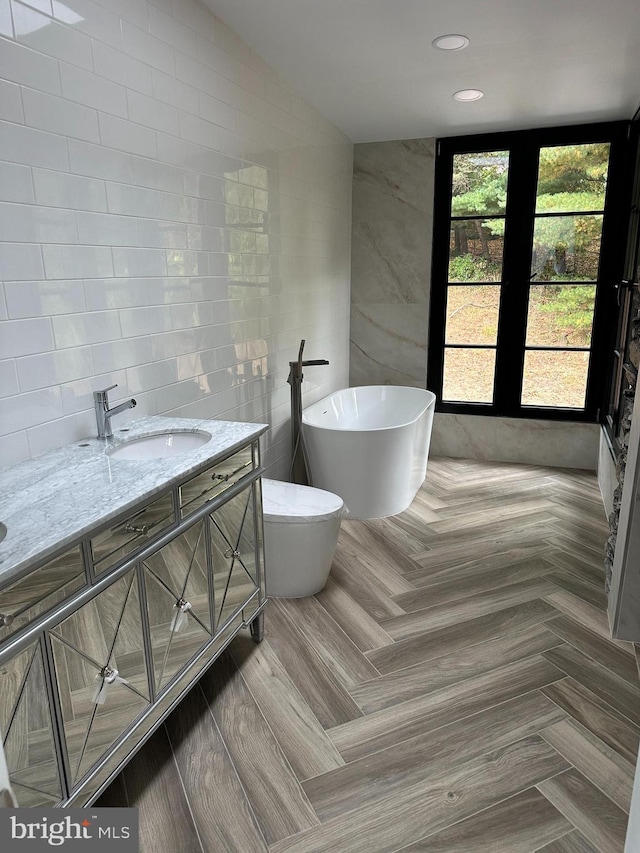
[560, 315]
[555, 378]
[572, 178]
[479, 183]
[475, 250]
[472, 314]
[566, 248]
[468, 375]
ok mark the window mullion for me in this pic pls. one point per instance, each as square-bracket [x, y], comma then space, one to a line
[442, 201]
[521, 200]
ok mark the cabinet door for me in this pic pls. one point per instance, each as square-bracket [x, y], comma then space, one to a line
[101, 672]
[234, 555]
[178, 604]
[27, 731]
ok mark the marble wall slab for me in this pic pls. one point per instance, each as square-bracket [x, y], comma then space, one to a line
[388, 345]
[533, 442]
[392, 215]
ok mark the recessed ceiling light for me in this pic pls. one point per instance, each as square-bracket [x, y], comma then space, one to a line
[452, 41]
[466, 95]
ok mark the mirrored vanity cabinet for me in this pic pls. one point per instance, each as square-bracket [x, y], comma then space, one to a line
[121, 581]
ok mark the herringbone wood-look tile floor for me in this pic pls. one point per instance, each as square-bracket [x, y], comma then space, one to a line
[453, 688]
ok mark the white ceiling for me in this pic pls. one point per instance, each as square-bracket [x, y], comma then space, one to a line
[369, 67]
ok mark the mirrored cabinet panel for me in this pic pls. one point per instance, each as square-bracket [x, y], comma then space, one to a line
[129, 535]
[178, 603]
[101, 672]
[158, 710]
[27, 729]
[30, 597]
[233, 554]
[197, 491]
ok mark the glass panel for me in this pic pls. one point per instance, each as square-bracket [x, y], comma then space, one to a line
[475, 250]
[555, 378]
[158, 710]
[479, 183]
[560, 315]
[472, 314]
[178, 603]
[572, 178]
[468, 375]
[233, 551]
[173, 643]
[210, 483]
[27, 730]
[181, 566]
[101, 673]
[40, 590]
[115, 543]
[566, 248]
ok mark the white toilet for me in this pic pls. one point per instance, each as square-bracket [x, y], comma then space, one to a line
[301, 526]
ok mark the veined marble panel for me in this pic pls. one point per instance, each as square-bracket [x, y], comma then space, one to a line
[400, 169]
[534, 442]
[391, 261]
[389, 345]
[392, 221]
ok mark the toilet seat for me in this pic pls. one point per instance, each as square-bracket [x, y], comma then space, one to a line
[291, 503]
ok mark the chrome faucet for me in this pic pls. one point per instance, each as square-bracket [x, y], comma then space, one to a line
[104, 413]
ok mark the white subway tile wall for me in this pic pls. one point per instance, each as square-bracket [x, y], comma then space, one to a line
[173, 218]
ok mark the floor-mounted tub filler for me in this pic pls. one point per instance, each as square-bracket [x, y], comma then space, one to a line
[370, 446]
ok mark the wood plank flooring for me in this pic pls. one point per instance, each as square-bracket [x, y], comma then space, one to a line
[453, 689]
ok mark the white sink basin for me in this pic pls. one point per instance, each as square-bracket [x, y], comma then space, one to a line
[159, 446]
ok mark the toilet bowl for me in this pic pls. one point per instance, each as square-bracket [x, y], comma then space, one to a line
[301, 526]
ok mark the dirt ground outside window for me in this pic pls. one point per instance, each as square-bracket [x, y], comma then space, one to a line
[559, 316]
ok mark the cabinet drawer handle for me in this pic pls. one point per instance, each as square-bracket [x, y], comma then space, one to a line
[143, 529]
[231, 552]
[109, 674]
[223, 477]
[180, 618]
[6, 619]
[105, 678]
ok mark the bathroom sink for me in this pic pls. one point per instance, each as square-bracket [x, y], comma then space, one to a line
[159, 446]
[3, 531]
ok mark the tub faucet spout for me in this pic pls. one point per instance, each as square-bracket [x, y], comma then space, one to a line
[295, 367]
[104, 413]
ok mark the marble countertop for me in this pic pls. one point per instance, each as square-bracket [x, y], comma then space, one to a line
[56, 499]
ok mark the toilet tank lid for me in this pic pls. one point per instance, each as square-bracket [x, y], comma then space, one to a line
[290, 502]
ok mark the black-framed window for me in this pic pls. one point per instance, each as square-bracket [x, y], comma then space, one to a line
[528, 243]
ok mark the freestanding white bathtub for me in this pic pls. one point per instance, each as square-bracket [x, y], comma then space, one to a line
[369, 445]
